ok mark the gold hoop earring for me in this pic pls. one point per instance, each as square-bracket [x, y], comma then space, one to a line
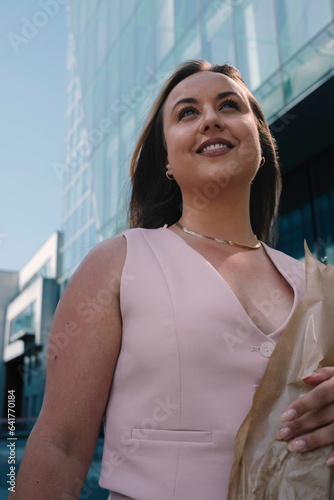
[263, 161]
[170, 177]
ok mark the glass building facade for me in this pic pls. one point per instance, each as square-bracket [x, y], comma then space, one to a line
[119, 53]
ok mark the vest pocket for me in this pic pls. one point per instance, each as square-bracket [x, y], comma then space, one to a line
[172, 435]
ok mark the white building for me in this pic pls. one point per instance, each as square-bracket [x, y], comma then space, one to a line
[32, 297]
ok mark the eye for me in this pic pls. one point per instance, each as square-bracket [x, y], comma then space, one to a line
[187, 111]
[229, 103]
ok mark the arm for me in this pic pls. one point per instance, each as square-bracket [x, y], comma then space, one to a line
[79, 375]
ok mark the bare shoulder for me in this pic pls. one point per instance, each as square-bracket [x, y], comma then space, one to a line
[103, 263]
[111, 250]
[84, 344]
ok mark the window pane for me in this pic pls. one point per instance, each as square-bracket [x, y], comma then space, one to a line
[67, 260]
[299, 21]
[84, 181]
[83, 244]
[255, 28]
[218, 33]
[312, 63]
[92, 236]
[84, 207]
[74, 253]
[26, 319]
[76, 220]
[164, 33]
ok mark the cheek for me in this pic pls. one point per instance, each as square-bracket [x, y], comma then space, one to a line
[178, 144]
[250, 148]
[250, 152]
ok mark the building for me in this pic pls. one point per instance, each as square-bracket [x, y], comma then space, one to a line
[8, 290]
[121, 50]
[28, 301]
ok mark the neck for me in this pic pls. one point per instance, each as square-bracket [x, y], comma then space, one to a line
[221, 218]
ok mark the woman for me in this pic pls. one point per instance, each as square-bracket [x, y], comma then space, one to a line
[173, 352]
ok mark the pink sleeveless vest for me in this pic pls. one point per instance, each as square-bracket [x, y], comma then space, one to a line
[189, 364]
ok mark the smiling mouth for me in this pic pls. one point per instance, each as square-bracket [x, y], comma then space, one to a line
[215, 150]
[215, 147]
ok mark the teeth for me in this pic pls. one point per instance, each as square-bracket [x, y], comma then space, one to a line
[214, 146]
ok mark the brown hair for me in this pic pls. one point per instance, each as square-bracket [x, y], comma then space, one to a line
[156, 201]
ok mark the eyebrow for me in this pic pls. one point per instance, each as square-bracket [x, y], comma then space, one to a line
[192, 100]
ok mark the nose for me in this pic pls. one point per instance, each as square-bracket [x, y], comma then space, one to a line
[210, 120]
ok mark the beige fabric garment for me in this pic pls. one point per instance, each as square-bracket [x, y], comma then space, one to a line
[263, 468]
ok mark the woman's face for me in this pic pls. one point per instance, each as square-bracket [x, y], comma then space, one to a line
[211, 133]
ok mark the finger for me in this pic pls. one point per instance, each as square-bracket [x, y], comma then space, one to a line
[316, 398]
[316, 439]
[309, 422]
[330, 459]
[319, 375]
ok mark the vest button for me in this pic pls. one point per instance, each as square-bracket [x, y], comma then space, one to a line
[266, 349]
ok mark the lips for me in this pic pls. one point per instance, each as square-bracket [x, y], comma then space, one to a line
[216, 144]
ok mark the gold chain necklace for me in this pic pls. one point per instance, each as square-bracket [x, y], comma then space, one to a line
[228, 242]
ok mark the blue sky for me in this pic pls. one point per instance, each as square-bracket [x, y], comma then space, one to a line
[32, 125]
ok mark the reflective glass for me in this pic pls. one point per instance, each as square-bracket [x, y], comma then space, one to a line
[82, 17]
[88, 109]
[100, 112]
[90, 42]
[125, 49]
[90, 208]
[84, 181]
[164, 35]
[64, 205]
[77, 190]
[66, 260]
[128, 9]
[112, 84]
[92, 236]
[113, 22]
[113, 158]
[271, 96]
[291, 232]
[255, 31]
[91, 7]
[190, 46]
[74, 253]
[83, 245]
[128, 54]
[299, 21]
[26, 319]
[68, 228]
[324, 217]
[218, 33]
[312, 63]
[84, 210]
[76, 220]
[185, 12]
[71, 197]
[145, 49]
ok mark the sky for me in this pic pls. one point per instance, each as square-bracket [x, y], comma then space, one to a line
[33, 44]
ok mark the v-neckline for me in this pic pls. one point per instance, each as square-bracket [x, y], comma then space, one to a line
[271, 256]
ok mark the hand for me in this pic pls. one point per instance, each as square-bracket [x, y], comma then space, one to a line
[309, 421]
